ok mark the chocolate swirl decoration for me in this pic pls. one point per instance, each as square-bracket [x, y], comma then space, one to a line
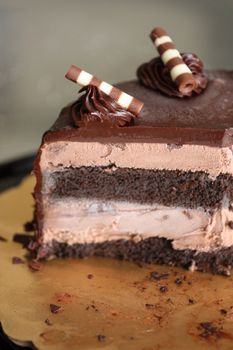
[95, 108]
[155, 75]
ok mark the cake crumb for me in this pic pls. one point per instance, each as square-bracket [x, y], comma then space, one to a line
[17, 260]
[191, 301]
[223, 312]
[154, 275]
[163, 289]
[34, 265]
[209, 330]
[63, 297]
[94, 307]
[150, 306]
[29, 226]
[55, 309]
[22, 238]
[101, 337]
[169, 300]
[48, 322]
[179, 280]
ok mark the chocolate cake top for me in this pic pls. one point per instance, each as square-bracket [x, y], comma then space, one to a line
[206, 119]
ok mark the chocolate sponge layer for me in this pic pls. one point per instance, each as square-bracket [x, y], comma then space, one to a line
[170, 188]
[150, 250]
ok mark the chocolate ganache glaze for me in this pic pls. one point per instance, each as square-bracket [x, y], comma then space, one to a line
[94, 108]
[155, 75]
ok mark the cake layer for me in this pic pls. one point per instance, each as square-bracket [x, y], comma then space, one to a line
[213, 160]
[150, 250]
[170, 188]
[73, 221]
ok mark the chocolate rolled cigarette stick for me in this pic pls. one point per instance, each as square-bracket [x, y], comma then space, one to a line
[83, 78]
[179, 71]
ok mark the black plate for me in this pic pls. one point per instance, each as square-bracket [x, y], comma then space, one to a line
[11, 173]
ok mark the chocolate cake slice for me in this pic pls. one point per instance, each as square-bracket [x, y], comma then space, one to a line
[157, 188]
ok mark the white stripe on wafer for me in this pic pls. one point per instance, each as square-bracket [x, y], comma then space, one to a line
[179, 71]
[125, 100]
[162, 40]
[83, 78]
[105, 87]
[169, 54]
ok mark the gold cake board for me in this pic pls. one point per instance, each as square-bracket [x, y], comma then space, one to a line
[106, 303]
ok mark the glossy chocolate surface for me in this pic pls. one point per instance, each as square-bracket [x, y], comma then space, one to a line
[94, 106]
[206, 119]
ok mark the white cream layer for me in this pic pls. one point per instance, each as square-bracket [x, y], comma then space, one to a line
[91, 221]
[212, 160]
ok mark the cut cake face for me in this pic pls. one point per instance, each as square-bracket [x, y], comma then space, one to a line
[157, 190]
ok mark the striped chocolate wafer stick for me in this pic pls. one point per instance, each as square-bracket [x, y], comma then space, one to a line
[179, 71]
[83, 78]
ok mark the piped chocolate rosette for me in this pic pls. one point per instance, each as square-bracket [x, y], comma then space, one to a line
[101, 102]
[172, 73]
[95, 106]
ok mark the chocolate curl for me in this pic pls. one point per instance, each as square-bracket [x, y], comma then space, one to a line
[179, 71]
[83, 78]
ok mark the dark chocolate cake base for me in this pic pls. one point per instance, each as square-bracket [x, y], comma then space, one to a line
[151, 250]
